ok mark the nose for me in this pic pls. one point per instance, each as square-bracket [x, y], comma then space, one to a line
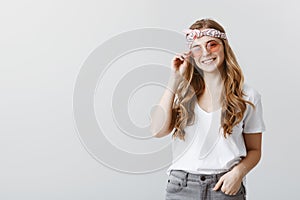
[205, 51]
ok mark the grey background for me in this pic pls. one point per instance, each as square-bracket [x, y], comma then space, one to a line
[43, 45]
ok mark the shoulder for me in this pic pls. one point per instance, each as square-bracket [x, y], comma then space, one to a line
[251, 94]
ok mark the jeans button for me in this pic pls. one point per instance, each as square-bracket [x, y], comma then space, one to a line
[202, 178]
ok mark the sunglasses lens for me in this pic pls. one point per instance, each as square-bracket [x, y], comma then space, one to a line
[196, 51]
[213, 46]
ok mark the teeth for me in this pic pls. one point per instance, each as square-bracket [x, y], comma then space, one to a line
[208, 61]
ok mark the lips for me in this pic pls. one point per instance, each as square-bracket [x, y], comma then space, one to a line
[207, 61]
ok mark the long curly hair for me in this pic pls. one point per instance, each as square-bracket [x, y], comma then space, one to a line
[193, 85]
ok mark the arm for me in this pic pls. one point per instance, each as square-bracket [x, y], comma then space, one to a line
[161, 116]
[162, 122]
[253, 146]
[231, 181]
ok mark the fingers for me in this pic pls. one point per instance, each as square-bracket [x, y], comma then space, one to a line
[233, 193]
[186, 54]
[230, 193]
[182, 56]
[219, 183]
[226, 191]
[229, 190]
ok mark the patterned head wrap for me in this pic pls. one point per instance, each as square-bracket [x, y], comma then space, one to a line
[192, 34]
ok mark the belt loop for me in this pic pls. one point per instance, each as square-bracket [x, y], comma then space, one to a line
[185, 179]
[218, 176]
[215, 177]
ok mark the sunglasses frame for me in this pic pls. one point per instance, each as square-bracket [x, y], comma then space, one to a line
[209, 49]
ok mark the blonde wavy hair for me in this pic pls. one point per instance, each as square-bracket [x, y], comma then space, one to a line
[192, 88]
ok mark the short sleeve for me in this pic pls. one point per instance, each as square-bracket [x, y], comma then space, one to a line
[253, 121]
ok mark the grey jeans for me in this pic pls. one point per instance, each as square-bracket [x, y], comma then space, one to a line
[183, 185]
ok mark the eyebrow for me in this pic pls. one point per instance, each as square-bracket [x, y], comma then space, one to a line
[197, 45]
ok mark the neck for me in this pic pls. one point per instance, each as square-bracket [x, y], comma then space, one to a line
[213, 80]
[213, 86]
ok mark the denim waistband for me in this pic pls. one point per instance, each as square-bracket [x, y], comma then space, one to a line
[184, 175]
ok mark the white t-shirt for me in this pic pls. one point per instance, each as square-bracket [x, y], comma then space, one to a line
[205, 150]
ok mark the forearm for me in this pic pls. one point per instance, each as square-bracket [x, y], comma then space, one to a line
[161, 115]
[248, 163]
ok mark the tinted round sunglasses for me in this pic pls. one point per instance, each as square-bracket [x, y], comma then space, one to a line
[211, 46]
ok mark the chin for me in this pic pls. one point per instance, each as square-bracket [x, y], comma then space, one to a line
[208, 68]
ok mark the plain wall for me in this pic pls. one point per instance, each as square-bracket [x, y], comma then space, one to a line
[45, 43]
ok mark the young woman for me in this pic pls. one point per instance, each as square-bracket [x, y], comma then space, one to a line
[215, 119]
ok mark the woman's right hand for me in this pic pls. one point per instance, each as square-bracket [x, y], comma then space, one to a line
[180, 63]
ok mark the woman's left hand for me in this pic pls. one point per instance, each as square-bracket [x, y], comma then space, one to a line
[230, 182]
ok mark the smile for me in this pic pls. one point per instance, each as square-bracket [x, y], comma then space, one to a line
[207, 61]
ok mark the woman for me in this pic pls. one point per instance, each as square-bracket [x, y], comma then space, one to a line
[215, 119]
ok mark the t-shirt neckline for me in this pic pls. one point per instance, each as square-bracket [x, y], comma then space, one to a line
[207, 113]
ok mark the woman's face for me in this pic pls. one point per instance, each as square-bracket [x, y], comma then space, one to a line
[208, 53]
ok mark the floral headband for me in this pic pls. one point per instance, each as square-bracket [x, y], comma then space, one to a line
[192, 34]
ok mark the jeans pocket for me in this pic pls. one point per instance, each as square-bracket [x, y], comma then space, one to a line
[175, 184]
